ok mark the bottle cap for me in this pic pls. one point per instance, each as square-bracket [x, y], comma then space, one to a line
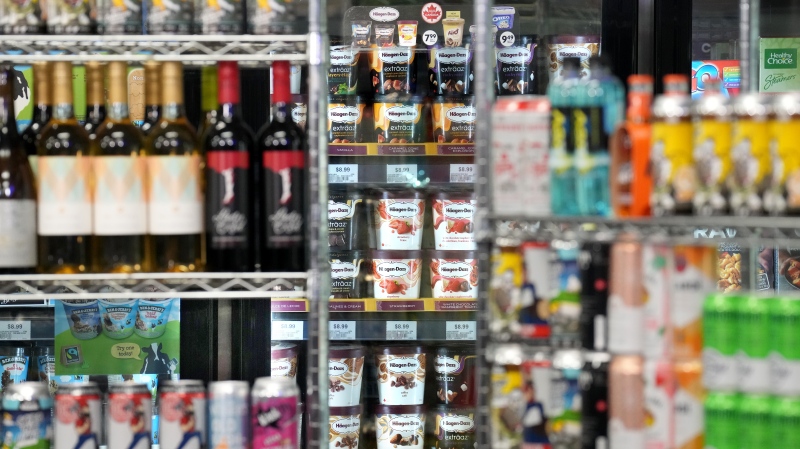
[42, 93]
[172, 82]
[676, 84]
[62, 82]
[281, 72]
[228, 82]
[152, 83]
[117, 82]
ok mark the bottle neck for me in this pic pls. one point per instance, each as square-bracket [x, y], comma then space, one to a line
[173, 111]
[42, 113]
[7, 120]
[280, 112]
[63, 111]
[228, 111]
[118, 111]
[95, 112]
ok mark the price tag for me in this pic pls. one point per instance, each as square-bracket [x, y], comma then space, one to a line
[507, 39]
[287, 330]
[401, 173]
[401, 330]
[343, 173]
[429, 37]
[15, 330]
[462, 173]
[342, 330]
[460, 330]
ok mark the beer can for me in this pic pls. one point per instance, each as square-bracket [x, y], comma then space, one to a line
[754, 340]
[722, 420]
[593, 382]
[625, 299]
[692, 278]
[27, 416]
[754, 413]
[538, 389]
[659, 396]
[565, 302]
[182, 414]
[712, 147]
[689, 395]
[565, 406]
[626, 425]
[505, 290]
[785, 422]
[507, 400]
[656, 264]
[78, 417]
[784, 358]
[594, 268]
[228, 414]
[750, 154]
[720, 340]
[129, 416]
[274, 413]
[537, 290]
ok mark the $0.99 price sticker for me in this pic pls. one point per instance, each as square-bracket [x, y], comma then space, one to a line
[401, 173]
[15, 330]
[287, 330]
[342, 330]
[343, 173]
[401, 330]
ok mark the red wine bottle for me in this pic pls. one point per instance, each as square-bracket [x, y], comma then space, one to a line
[228, 144]
[282, 182]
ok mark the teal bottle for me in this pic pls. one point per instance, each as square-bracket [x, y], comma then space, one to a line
[562, 141]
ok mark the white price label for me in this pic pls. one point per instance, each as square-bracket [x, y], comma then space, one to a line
[460, 330]
[15, 330]
[462, 173]
[430, 37]
[287, 330]
[507, 39]
[401, 173]
[342, 330]
[342, 173]
[401, 330]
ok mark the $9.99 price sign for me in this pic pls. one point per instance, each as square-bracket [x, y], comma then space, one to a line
[287, 330]
[401, 330]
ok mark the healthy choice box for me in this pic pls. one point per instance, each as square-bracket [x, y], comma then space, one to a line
[778, 68]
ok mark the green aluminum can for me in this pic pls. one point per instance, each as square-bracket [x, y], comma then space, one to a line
[720, 342]
[754, 414]
[785, 422]
[784, 322]
[754, 344]
[722, 420]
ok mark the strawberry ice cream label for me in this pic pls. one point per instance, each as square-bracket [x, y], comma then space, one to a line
[399, 223]
[77, 422]
[396, 278]
[453, 226]
[454, 278]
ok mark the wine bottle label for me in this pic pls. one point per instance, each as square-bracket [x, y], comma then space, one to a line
[176, 199]
[119, 205]
[18, 231]
[228, 199]
[65, 201]
[283, 193]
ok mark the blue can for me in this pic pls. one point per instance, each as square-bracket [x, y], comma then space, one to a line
[27, 416]
[228, 414]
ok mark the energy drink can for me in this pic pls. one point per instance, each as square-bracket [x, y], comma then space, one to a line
[594, 264]
[722, 420]
[712, 146]
[129, 416]
[754, 340]
[78, 417]
[508, 402]
[750, 153]
[784, 358]
[720, 341]
[228, 414]
[593, 382]
[182, 414]
[671, 163]
[565, 406]
[27, 411]
[626, 426]
[689, 394]
[538, 391]
[274, 413]
[625, 300]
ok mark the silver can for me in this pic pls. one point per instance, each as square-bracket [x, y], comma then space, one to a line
[274, 413]
[27, 407]
[78, 416]
[182, 414]
[129, 416]
[228, 414]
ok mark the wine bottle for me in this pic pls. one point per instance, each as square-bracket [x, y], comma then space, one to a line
[95, 98]
[281, 144]
[208, 99]
[175, 194]
[152, 96]
[120, 210]
[63, 179]
[229, 201]
[17, 195]
[42, 111]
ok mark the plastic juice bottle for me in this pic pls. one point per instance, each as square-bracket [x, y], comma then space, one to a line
[598, 105]
[712, 150]
[562, 145]
[631, 183]
[671, 163]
